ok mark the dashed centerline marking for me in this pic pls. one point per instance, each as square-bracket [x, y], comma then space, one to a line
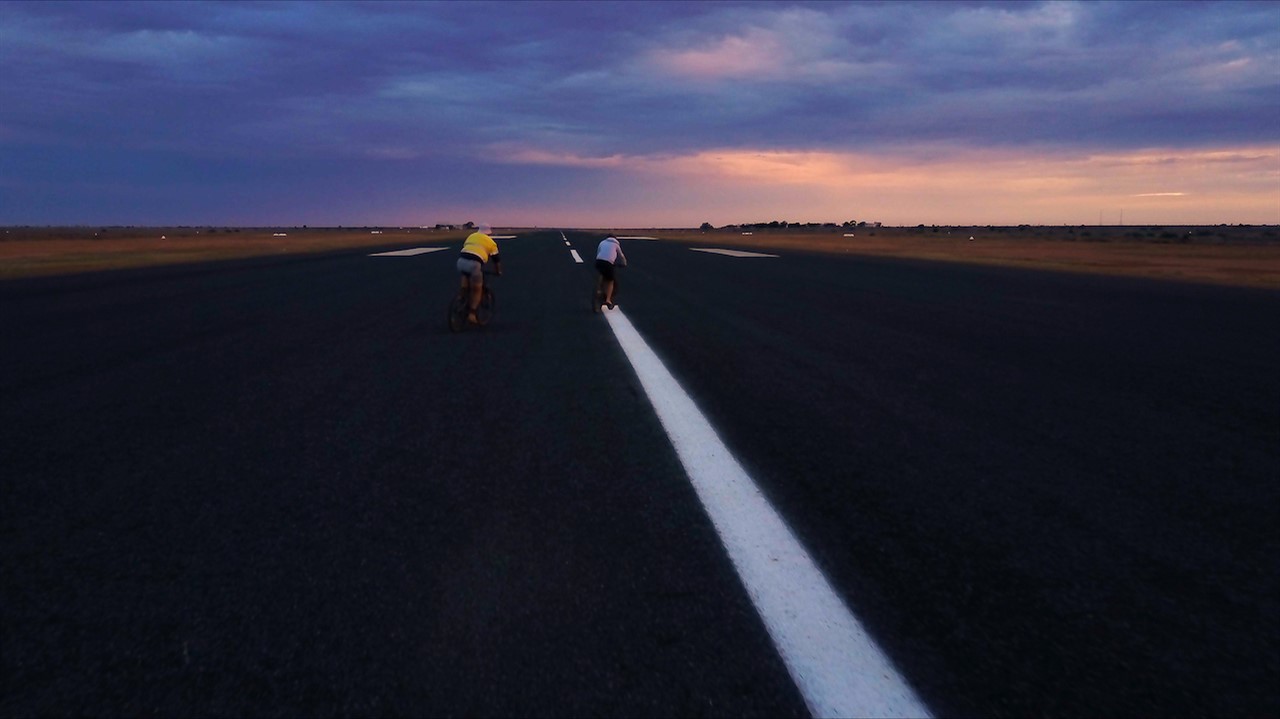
[576, 257]
[834, 663]
[409, 253]
[730, 253]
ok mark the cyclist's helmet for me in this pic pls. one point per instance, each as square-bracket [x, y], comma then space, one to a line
[484, 228]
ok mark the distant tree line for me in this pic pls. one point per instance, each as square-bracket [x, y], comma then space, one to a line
[783, 224]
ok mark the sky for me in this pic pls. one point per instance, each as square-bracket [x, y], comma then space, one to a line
[639, 114]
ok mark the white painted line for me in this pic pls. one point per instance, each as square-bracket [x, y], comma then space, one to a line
[834, 663]
[730, 253]
[409, 253]
[576, 257]
[635, 237]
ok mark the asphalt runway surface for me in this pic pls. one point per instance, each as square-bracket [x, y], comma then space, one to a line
[282, 487]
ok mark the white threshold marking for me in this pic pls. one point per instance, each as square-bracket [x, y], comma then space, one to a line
[834, 663]
[410, 252]
[503, 237]
[635, 237]
[730, 253]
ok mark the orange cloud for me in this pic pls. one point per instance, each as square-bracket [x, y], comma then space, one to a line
[952, 186]
[755, 54]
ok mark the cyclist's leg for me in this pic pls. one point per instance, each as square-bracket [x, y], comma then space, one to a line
[606, 279]
[477, 290]
[472, 282]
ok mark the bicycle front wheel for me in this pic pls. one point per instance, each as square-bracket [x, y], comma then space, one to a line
[457, 313]
[488, 306]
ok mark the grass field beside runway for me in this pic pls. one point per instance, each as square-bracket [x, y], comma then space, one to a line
[40, 251]
[1238, 255]
[1229, 255]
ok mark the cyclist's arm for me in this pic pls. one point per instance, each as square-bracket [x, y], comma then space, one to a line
[622, 259]
[493, 255]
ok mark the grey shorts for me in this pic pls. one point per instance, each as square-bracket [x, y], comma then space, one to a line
[471, 268]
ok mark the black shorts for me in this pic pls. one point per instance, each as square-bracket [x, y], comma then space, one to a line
[605, 268]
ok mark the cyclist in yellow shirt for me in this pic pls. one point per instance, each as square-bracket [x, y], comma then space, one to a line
[478, 249]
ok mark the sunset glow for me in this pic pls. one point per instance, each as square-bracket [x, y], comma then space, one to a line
[959, 186]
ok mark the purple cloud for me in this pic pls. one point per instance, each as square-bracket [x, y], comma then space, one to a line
[427, 97]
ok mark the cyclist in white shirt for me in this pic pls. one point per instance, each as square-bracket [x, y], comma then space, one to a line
[608, 255]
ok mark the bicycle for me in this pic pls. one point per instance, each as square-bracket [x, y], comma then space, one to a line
[461, 301]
